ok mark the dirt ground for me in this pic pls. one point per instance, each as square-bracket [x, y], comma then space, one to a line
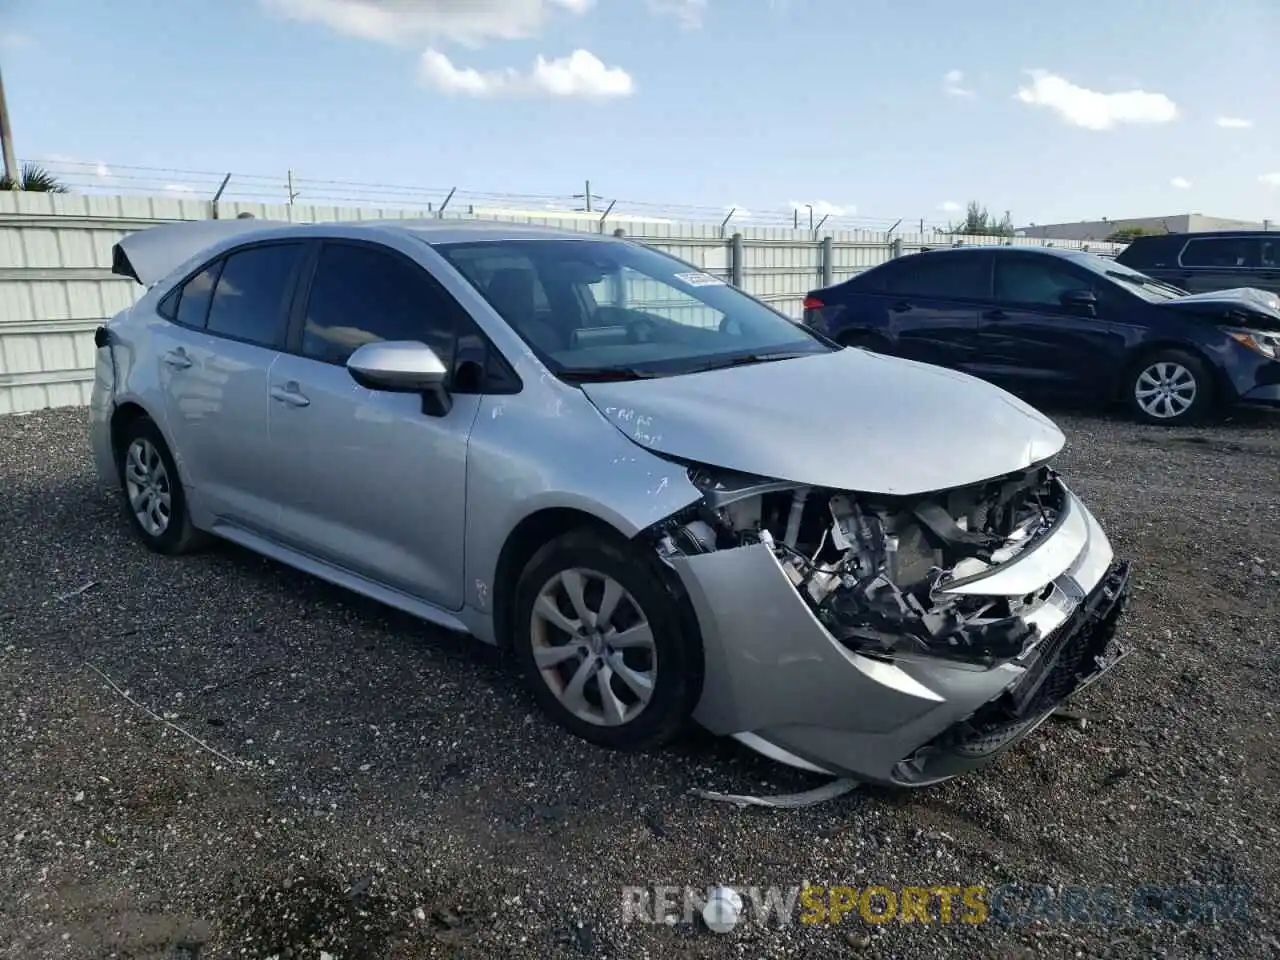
[381, 790]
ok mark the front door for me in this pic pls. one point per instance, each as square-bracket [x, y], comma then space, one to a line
[366, 480]
[1032, 343]
[215, 356]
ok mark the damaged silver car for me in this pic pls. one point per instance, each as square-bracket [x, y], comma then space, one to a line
[673, 503]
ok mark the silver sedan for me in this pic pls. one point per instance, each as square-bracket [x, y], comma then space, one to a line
[671, 502]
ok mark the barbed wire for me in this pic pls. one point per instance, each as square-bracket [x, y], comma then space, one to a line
[95, 177]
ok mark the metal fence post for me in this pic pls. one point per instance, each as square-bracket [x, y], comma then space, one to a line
[828, 261]
[736, 261]
[895, 248]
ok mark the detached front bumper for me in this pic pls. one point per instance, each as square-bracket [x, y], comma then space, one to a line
[779, 682]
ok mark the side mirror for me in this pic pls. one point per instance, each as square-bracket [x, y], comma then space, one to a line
[402, 366]
[1080, 301]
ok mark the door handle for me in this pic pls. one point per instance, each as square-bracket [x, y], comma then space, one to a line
[901, 307]
[996, 314]
[177, 359]
[290, 394]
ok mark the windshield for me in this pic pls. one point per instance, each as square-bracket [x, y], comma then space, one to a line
[1149, 288]
[595, 309]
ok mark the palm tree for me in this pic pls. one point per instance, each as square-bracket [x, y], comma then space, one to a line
[34, 178]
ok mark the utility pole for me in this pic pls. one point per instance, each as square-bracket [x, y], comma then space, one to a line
[6, 140]
[292, 193]
[588, 196]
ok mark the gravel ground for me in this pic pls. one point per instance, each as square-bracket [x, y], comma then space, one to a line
[382, 790]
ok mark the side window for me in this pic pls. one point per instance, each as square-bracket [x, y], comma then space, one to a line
[1270, 254]
[361, 295]
[874, 279]
[1146, 252]
[251, 294]
[1037, 282]
[943, 276]
[1221, 252]
[195, 297]
[501, 271]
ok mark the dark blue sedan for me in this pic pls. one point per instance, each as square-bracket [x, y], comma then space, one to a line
[1063, 324]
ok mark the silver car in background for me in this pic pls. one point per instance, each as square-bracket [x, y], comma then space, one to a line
[670, 501]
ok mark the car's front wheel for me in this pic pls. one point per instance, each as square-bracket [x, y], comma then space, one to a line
[603, 643]
[154, 500]
[1169, 387]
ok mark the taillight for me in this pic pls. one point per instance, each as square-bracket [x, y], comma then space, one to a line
[812, 303]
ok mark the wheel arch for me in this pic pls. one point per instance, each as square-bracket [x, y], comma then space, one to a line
[525, 539]
[1220, 385]
[126, 413]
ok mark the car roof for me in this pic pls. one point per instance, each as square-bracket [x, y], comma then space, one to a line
[1205, 235]
[1001, 248]
[462, 231]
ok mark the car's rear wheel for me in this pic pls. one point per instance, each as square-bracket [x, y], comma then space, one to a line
[154, 500]
[603, 643]
[1170, 387]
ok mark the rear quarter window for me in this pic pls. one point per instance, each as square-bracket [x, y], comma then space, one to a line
[1154, 252]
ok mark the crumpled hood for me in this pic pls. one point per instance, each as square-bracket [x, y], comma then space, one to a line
[1250, 299]
[849, 420]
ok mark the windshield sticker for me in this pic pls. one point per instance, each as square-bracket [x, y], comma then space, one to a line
[699, 279]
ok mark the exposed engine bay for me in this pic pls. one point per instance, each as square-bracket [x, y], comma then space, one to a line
[876, 569]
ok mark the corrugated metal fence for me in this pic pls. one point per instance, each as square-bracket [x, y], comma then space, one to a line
[56, 284]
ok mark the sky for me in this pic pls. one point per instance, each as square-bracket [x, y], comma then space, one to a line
[861, 109]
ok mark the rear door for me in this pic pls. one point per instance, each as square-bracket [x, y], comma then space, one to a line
[931, 303]
[228, 323]
[1219, 263]
[1030, 342]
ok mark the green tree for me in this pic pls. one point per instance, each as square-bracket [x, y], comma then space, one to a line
[35, 179]
[1128, 233]
[978, 222]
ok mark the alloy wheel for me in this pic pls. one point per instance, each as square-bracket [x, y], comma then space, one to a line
[593, 647]
[147, 487]
[1165, 390]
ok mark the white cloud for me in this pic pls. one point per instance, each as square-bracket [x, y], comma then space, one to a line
[469, 22]
[1270, 179]
[13, 40]
[580, 75]
[822, 208]
[178, 188]
[950, 206]
[1234, 123]
[689, 13]
[1092, 110]
[1180, 183]
[953, 84]
[102, 171]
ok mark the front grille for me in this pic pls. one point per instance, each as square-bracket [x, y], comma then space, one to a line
[1071, 654]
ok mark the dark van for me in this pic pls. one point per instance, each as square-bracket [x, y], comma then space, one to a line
[1205, 262]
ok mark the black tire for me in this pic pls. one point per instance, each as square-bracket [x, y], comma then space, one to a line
[677, 647]
[178, 536]
[1146, 370]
